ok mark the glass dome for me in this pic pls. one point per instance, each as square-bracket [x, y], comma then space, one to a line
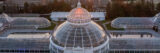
[87, 34]
[157, 19]
[5, 18]
[79, 34]
[79, 15]
[69, 35]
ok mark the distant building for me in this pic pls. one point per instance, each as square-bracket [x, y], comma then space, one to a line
[156, 1]
[62, 16]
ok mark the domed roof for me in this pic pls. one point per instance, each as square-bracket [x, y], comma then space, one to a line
[158, 15]
[79, 15]
[90, 35]
[69, 34]
[5, 18]
[157, 19]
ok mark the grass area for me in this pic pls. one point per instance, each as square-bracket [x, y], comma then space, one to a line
[109, 27]
[101, 22]
[59, 22]
[53, 25]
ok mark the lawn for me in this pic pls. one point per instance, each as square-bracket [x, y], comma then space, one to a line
[101, 22]
[53, 25]
[109, 27]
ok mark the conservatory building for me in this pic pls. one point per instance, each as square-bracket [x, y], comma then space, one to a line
[61, 16]
[137, 22]
[23, 22]
[79, 34]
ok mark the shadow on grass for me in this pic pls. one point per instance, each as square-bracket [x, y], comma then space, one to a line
[53, 25]
[109, 27]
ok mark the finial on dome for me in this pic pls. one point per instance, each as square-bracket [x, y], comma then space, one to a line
[79, 4]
